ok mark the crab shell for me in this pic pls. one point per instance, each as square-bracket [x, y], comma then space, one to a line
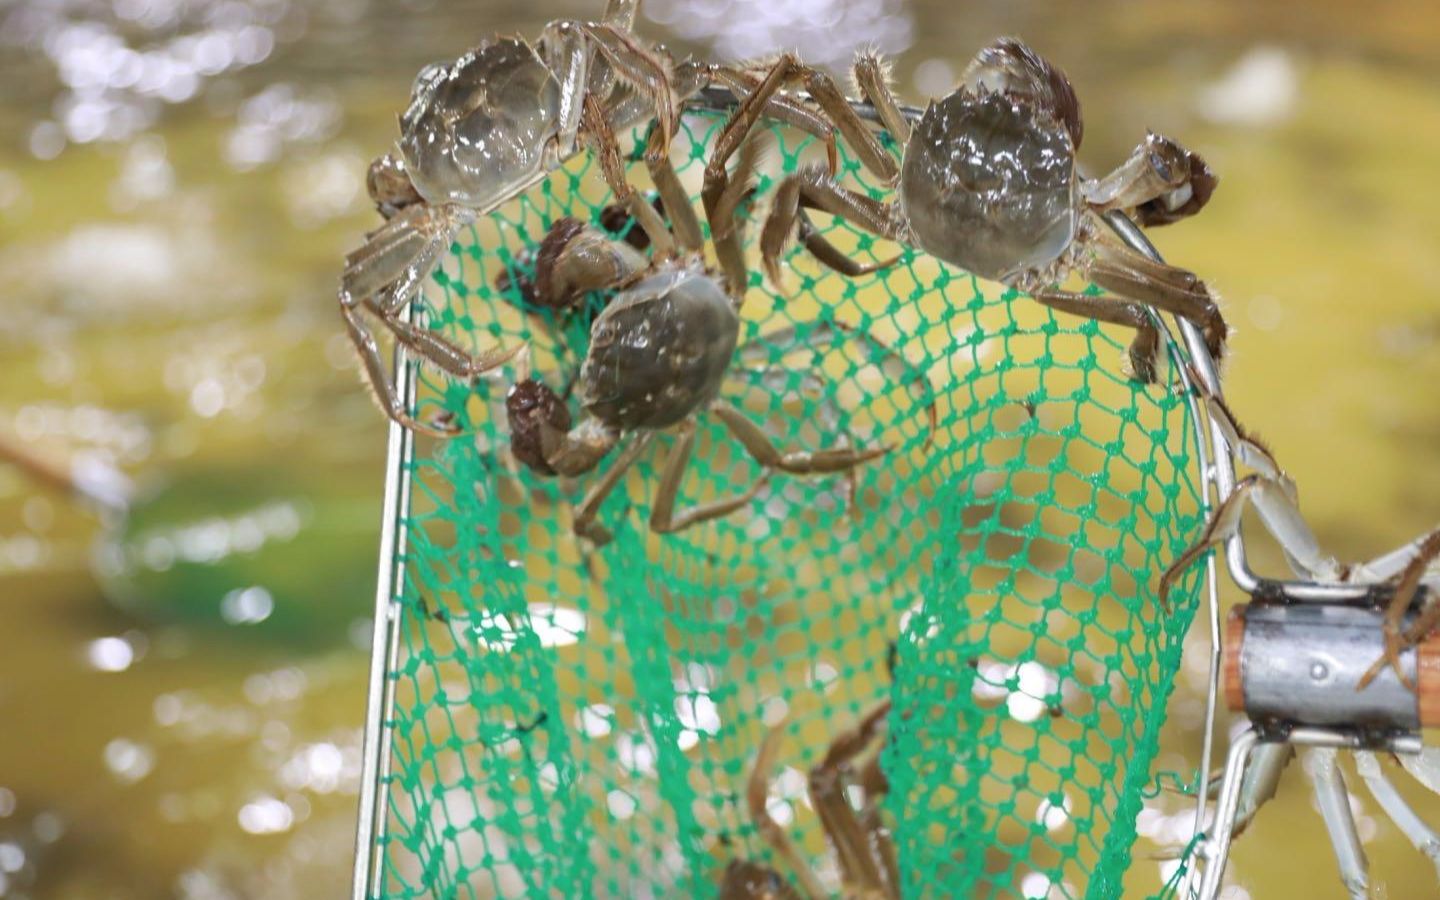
[480, 127]
[659, 351]
[988, 183]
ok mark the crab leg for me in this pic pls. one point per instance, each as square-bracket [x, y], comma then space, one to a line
[1144, 349]
[1127, 273]
[815, 188]
[872, 76]
[584, 523]
[875, 785]
[796, 462]
[1405, 591]
[568, 56]
[873, 156]
[733, 136]
[662, 515]
[397, 257]
[1411, 825]
[827, 795]
[814, 241]
[1274, 496]
[1392, 564]
[641, 68]
[612, 169]
[741, 82]
[378, 379]
[1334, 802]
[444, 354]
[673, 195]
[621, 13]
[724, 222]
[1259, 783]
[757, 796]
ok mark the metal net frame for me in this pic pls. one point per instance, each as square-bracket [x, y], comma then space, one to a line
[557, 719]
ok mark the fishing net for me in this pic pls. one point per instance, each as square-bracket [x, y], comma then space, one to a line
[573, 721]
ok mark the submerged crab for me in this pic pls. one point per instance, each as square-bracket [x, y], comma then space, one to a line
[477, 133]
[988, 182]
[659, 351]
[862, 844]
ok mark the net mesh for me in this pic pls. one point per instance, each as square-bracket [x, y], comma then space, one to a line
[572, 720]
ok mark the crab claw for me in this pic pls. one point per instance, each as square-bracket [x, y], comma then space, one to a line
[531, 408]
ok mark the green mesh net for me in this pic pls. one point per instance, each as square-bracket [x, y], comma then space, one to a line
[580, 721]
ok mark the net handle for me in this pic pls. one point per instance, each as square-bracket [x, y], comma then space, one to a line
[385, 633]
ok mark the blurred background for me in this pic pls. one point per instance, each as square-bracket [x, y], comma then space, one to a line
[182, 686]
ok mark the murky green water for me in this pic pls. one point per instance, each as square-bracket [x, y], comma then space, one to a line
[180, 693]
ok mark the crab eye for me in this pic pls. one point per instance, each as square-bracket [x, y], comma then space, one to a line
[428, 77]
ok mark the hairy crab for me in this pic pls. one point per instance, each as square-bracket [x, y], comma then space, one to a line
[477, 133]
[988, 182]
[660, 349]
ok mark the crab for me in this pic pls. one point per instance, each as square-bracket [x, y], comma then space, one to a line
[477, 133]
[864, 850]
[660, 349]
[988, 182]
[1408, 569]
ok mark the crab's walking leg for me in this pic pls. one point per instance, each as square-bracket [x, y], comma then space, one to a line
[1405, 589]
[733, 136]
[567, 54]
[1391, 565]
[830, 256]
[1174, 290]
[875, 785]
[1260, 782]
[378, 379]
[621, 13]
[1322, 766]
[796, 462]
[752, 110]
[757, 799]
[871, 74]
[872, 155]
[662, 516]
[1274, 497]
[815, 188]
[1144, 349]
[1224, 523]
[858, 869]
[792, 112]
[673, 195]
[397, 257]
[643, 69]
[444, 354]
[1422, 836]
[584, 522]
[624, 109]
[612, 169]
[724, 219]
